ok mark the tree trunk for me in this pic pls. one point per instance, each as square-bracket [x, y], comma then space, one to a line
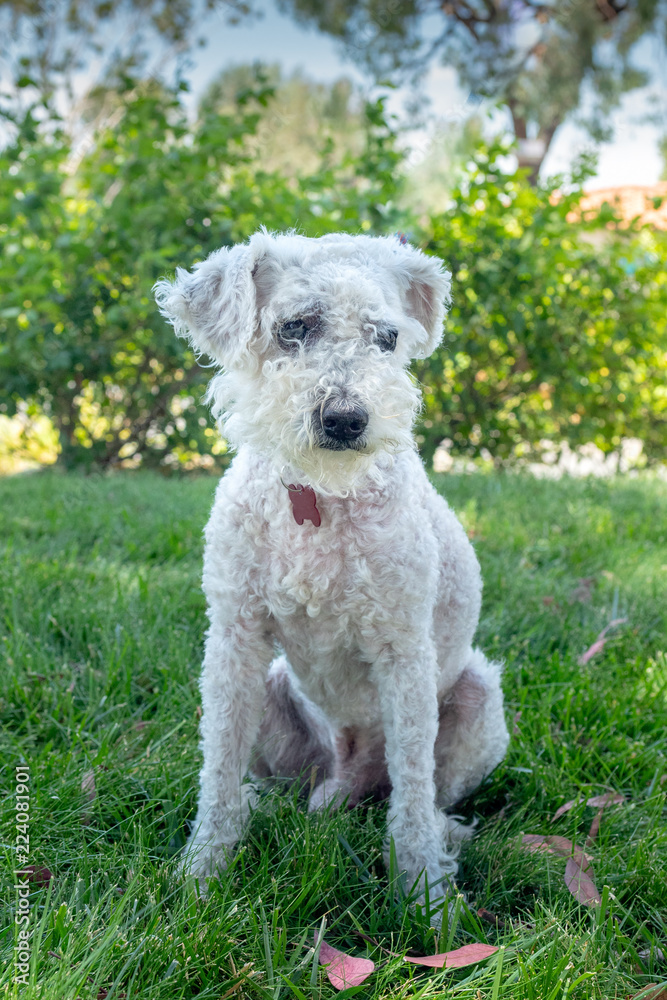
[531, 152]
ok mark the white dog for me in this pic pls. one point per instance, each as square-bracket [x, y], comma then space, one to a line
[343, 592]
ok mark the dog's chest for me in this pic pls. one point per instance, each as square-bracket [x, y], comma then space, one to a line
[331, 589]
[324, 573]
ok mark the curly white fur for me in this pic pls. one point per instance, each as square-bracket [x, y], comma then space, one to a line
[379, 690]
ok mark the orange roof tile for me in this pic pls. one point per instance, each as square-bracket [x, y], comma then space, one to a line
[631, 201]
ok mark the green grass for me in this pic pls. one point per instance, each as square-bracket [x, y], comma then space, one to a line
[102, 628]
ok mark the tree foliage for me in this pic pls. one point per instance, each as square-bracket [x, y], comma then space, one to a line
[46, 43]
[558, 328]
[303, 124]
[537, 57]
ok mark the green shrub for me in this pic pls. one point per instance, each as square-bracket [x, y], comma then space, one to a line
[558, 329]
[86, 234]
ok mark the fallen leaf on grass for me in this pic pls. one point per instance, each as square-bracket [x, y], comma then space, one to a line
[580, 883]
[599, 643]
[654, 991]
[595, 827]
[344, 970]
[33, 873]
[553, 844]
[598, 801]
[491, 918]
[608, 799]
[467, 955]
[578, 871]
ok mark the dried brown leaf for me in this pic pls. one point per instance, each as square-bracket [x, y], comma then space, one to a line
[654, 991]
[578, 871]
[553, 844]
[467, 955]
[600, 642]
[491, 918]
[36, 874]
[344, 970]
[598, 801]
[579, 880]
[595, 827]
[565, 808]
[608, 799]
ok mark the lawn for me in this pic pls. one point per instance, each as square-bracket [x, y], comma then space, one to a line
[102, 630]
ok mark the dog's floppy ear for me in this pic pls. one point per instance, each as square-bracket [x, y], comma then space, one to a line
[427, 289]
[214, 305]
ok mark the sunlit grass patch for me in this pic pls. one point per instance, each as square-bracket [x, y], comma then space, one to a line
[102, 631]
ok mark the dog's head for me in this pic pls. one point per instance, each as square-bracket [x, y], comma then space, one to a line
[315, 337]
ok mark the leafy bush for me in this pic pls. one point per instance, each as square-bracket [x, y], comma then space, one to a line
[558, 329]
[88, 232]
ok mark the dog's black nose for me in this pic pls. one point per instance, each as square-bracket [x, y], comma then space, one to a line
[342, 420]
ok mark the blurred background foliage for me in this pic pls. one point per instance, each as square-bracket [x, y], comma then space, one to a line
[558, 326]
[558, 330]
[87, 231]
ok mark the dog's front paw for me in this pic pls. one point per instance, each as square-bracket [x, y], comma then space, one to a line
[427, 873]
[436, 891]
[204, 859]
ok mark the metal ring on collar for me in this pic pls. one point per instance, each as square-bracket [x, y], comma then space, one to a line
[289, 486]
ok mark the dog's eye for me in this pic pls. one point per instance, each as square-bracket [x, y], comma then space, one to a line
[295, 329]
[387, 337]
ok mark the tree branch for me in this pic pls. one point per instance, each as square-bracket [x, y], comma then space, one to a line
[465, 14]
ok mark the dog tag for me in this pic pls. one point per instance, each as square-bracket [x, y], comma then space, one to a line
[304, 504]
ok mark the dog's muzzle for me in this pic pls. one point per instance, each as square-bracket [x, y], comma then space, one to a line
[340, 424]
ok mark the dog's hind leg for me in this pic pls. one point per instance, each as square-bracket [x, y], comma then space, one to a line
[472, 740]
[472, 734]
[295, 739]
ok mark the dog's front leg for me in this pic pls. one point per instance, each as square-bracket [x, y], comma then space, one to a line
[409, 704]
[232, 684]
